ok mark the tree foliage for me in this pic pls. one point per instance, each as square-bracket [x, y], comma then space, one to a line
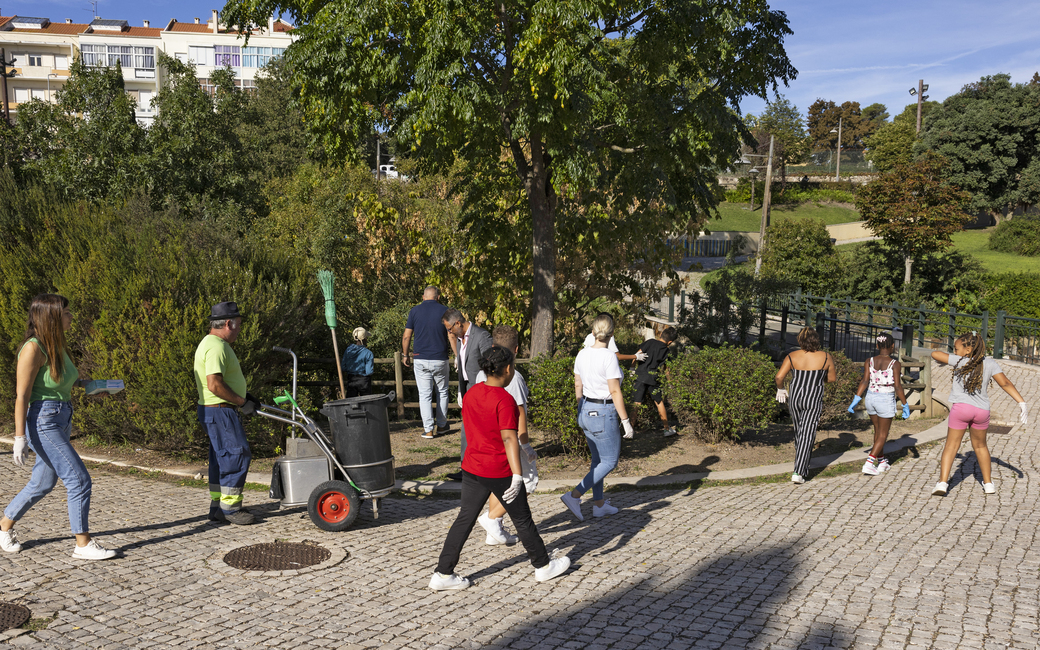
[990, 134]
[915, 208]
[800, 252]
[573, 111]
[824, 116]
[783, 122]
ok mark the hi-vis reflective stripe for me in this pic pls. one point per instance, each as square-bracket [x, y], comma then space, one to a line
[214, 492]
[230, 496]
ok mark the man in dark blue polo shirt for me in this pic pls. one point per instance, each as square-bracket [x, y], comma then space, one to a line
[430, 359]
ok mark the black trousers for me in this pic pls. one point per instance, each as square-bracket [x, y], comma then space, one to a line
[358, 385]
[475, 492]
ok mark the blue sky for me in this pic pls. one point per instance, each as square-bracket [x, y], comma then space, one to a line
[865, 52]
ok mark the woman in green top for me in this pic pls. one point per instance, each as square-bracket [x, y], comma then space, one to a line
[43, 415]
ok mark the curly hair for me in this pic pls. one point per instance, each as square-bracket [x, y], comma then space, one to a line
[970, 373]
[809, 340]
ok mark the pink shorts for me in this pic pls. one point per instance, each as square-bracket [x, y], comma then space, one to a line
[966, 416]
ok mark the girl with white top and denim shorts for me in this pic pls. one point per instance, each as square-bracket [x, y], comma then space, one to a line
[881, 385]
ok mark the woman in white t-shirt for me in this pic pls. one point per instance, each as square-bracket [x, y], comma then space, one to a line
[969, 405]
[597, 386]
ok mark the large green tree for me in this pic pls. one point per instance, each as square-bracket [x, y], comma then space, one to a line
[576, 108]
[824, 115]
[893, 143]
[784, 123]
[87, 145]
[990, 133]
[915, 208]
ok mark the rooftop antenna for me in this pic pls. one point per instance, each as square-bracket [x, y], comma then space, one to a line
[93, 7]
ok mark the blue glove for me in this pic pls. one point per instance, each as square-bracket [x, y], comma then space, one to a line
[906, 411]
[855, 400]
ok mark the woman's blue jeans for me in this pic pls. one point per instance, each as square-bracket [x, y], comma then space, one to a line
[48, 426]
[600, 424]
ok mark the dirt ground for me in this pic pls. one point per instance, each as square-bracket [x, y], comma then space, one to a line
[648, 454]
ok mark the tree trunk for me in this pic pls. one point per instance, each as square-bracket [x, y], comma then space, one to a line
[998, 216]
[909, 261]
[542, 199]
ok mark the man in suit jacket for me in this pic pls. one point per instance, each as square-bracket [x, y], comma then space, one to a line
[470, 343]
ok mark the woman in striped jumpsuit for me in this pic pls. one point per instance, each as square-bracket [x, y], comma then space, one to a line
[810, 367]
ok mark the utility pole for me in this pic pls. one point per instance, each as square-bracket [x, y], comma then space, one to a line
[837, 167]
[4, 75]
[378, 158]
[765, 208]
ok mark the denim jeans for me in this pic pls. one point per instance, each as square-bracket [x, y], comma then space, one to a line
[600, 424]
[48, 426]
[432, 375]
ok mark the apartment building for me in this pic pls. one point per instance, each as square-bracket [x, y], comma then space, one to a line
[43, 49]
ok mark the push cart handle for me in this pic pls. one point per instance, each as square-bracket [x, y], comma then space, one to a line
[278, 349]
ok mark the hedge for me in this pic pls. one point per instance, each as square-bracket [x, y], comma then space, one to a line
[1015, 293]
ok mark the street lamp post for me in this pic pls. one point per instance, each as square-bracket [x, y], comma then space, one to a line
[837, 167]
[752, 173]
[919, 91]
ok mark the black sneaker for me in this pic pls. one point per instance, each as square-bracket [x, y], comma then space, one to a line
[455, 476]
[445, 429]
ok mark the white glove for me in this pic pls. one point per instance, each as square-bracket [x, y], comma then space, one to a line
[627, 426]
[641, 356]
[781, 395]
[514, 489]
[19, 450]
[1023, 418]
[529, 450]
[459, 400]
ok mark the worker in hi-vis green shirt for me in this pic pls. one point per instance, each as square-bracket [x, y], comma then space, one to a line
[222, 394]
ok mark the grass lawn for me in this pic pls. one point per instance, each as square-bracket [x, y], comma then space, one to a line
[736, 216]
[976, 242]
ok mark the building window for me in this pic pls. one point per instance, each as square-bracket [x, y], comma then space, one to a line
[61, 62]
[123, 55]
[94, 55]
[21, 95]
[35, 60]
[227, 55]
[207, 86]
[200, 55]
[144, 58]
[258, 57]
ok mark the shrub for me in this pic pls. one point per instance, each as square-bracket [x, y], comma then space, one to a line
[841, 192]
[838, 394]
[552, 406]
[1020, 235]
[721, 392]
[1015, 293]
[801, 252]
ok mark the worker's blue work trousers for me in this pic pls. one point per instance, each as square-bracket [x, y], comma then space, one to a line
[228, 457]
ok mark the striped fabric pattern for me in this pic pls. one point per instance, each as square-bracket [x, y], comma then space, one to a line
[806, 405]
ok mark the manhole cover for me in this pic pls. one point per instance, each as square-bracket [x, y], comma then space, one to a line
[996, 428]
[12, 615]
[279, 556]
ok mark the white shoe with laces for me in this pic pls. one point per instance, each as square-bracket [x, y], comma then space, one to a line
[989, 488]
[441, 582]
[496, 531]
[93, 551]
[605, 509]
[940, 489]
[9, 541]
[871, 469]
[556, 566]
[797, 478]
[883, 465]
[573, 504]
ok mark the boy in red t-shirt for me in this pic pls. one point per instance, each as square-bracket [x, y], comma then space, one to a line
[492, 466]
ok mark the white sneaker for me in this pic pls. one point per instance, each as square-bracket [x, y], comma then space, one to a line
[605, 509]
[939, 489]
[556, 566]
[987, 488]
[573, 504]
[883, 465]
[93, 551]
[870, 468]
[496, 532]
[9, 541]
[441, 582]
[797, 478]
[670, 431]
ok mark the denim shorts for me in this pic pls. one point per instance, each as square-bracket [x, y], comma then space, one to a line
[882, 405]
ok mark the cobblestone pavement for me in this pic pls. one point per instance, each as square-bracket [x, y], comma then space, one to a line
[846, 562]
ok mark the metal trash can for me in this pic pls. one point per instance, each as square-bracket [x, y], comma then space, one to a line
[361, 438]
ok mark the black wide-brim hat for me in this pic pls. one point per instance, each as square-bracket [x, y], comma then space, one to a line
[224, 310]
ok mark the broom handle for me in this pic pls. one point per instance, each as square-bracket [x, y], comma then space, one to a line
[339, 368]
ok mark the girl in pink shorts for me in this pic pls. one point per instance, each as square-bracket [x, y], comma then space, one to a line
[969, 405]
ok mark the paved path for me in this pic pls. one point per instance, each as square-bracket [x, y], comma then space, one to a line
[846, 562]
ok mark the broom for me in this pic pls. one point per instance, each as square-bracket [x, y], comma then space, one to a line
[325, 279]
